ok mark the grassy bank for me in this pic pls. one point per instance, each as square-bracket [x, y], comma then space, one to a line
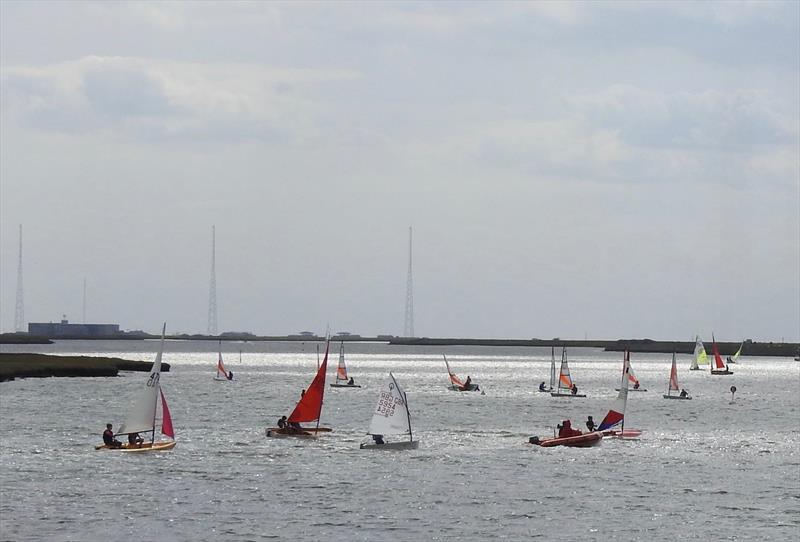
[42, 366]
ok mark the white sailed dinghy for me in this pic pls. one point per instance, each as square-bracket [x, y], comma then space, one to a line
[616, 414]
[342, 380]
[565, 384]
[541, 388]
[391, 417]
[143, 417]
[700, 356]
[673, 384]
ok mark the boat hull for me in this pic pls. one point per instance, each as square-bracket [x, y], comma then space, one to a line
[344, 386]
[721, 372]
[144, 447]
[626, 434]
[586, 440]
[303, 432]
[549, 390]
[472, 387]
[222, 379]
[632, 389]
[676, 397]
[557, 394]
[402, 445]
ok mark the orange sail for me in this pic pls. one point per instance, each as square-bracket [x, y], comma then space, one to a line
[310, 405]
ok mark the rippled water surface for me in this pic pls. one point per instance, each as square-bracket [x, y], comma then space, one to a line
[706, 469]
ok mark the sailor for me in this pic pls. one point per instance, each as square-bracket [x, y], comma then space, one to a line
[108, 438]
[351, 382]
[282, 422]
[134, 440]
[590, 425]
[574, 389]
[566, 430]
[230, 375]
[636, 385]
[467, 384]
[541, 387]
[378, 439]
[683, 393]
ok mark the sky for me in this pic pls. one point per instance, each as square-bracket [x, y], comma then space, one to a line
[570, 169]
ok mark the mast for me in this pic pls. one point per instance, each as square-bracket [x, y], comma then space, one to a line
[405, 402]
[448, 370]
[157, 383]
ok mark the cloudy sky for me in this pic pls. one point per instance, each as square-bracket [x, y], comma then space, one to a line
[595, 169]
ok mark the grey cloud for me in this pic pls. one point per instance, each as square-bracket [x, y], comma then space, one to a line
[123, 93]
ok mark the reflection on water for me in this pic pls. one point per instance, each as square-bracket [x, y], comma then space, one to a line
[706, 468]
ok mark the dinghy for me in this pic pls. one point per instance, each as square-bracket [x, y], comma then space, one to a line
[738, 353]
[633, 382]
[391, 417]
[616, 414]
[308, 409]
[719, 367]
[673, 383]
[342, 381]
[223, 375]
[565, 383]
[552, 372]
[455, 383]
[143, 416]
[585, 440]
[700, 356]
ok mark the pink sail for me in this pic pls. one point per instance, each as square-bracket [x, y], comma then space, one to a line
[673, 376]
[166, 419]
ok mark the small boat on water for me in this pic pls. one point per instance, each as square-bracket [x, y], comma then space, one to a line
[738, 353]
[223, 374]
[391, 417]
[700, 356]
[584, 440]
[673, 384]
[719, 367]
[143, 417]
[616, 414]
[342, 381]
[455, 383]
[566, 387]
[633, 382]
[307, 410]
[549, 389]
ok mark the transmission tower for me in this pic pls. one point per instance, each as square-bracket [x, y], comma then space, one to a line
[19, 315]
[212, 287]
[408, 327]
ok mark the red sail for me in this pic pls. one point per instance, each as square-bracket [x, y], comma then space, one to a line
[166, 419]
[310, 405]
[719, 364]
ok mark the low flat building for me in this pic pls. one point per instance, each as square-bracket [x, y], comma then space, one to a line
[63, 328]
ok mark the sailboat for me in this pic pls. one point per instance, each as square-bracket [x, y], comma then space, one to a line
[673, 383]
[552, 372]
[616, 414]
[738, 353]
[222, 373]
[456, 384]
[719, 367]
[308, 409]
[391, 417]
[342, 381]
[700, 356]
[565, 384]
[142, 417]
[633, 382]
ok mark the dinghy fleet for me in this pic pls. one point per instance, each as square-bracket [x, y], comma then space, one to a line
[391, 417]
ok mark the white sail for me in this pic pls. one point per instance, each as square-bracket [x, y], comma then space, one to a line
[391, 415]
[141, 417]
[700, 356]
[738, 353]
[552, 367]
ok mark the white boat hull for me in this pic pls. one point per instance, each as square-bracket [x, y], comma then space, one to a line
[344, 386]
[403, 445]
[676, 397]
[557, 394]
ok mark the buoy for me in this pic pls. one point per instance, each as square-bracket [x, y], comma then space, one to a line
[733, 393]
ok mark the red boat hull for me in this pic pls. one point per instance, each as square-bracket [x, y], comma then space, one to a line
[581, 441]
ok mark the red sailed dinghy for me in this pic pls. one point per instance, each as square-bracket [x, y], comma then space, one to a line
[719, 367]
[616, 414]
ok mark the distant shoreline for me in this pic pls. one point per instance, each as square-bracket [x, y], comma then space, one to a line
[24, 365]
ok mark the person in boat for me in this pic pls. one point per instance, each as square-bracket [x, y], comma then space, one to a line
[683, 393]
[467, 384]
[351, 382]
[574, 389]
[590, 425]
[282, 423]
[378, 439]
[541, 387]
[134, 440]
[302, 393]
[230, 375]
[108, 438]
[636, 385]
[565, 430]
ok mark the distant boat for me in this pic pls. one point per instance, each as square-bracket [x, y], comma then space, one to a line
[142, 417]
[308, 409]
[222, 373]
[391, 417]
[633, 382]
[342, 381]
[456, 384]
[700, 356]
[673, 383]
[565, 383]
[738, 353]
[552, 372]
[616, 414]
[719, 367]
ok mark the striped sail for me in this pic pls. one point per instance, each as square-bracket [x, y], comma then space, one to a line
[341, 369]
[616, 414]
[564, 380]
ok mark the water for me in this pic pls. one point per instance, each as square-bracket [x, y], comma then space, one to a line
[704, 469]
